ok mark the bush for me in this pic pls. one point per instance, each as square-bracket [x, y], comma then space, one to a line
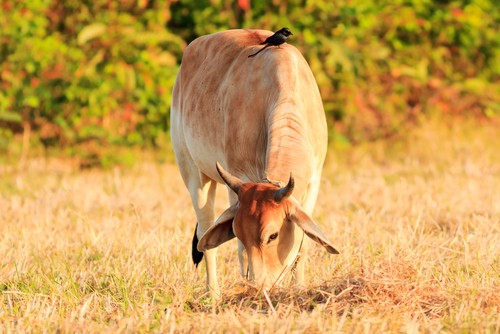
[380, 65]
[99, 74]
[81, 73]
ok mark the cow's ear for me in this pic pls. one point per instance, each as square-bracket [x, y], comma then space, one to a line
[302, 219]
[221, 232]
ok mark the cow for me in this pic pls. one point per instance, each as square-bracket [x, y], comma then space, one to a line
[258, 126]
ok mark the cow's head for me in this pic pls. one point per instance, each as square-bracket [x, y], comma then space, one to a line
[265, 220]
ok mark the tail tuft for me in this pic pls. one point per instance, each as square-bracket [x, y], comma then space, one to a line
[196, 254]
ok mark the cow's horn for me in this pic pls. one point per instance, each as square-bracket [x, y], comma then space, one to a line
[232, 181]
[285, 192]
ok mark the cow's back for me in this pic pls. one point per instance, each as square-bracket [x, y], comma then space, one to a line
[224, 104]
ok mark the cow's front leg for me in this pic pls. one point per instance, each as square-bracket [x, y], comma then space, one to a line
[243, 257]
[301, 263]
[242, 253]
[309, 202]
[211, 265]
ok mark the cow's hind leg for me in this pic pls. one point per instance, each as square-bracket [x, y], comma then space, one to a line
[202, 190]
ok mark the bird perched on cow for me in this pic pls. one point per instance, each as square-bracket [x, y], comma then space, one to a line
[277, 39]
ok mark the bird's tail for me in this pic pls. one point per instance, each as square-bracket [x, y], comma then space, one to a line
[256, 53]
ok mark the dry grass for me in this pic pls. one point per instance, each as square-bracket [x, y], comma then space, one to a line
[417, 223]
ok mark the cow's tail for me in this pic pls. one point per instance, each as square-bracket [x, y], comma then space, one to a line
[197, 255]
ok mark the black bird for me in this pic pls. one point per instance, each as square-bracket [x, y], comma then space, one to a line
[277, 39]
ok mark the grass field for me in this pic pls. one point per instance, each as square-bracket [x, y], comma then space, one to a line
[417, 222]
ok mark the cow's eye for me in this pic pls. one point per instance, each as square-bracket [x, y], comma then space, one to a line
[272, 237]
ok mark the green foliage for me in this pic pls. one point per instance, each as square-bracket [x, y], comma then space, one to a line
[78, 73]
[100, 74]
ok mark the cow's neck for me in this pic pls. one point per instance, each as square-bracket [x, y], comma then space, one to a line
[288, 148]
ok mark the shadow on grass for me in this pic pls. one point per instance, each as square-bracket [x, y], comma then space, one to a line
[393, 288]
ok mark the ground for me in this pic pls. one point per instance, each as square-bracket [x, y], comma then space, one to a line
[416, 220]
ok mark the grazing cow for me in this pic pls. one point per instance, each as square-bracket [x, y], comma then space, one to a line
[262, 119]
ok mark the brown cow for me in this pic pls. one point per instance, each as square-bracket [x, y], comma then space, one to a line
[262, 119]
